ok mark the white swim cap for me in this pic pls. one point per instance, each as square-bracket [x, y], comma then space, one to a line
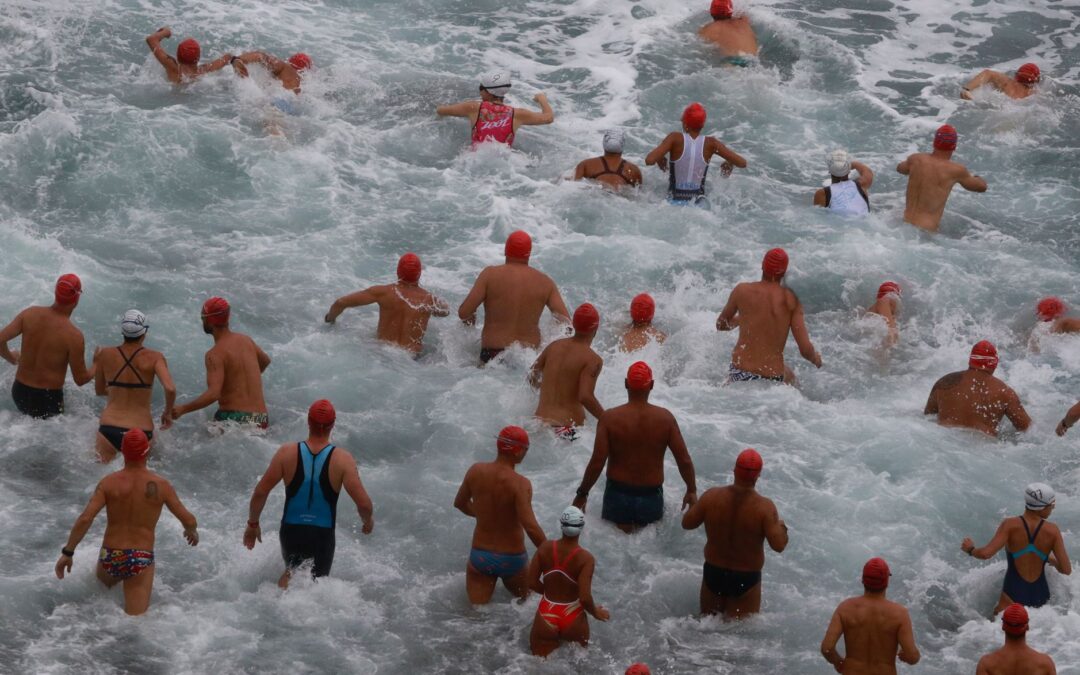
[572, 521]
[134, 324]
[613, 140]
[839, 163]
[495, 80]
[1037, 496]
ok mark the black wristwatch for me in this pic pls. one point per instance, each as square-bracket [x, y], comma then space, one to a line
[65, 551]
[582, 494]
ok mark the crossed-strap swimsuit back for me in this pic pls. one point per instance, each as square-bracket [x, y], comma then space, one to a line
[129, 365]
[1028, 593]
[560, 615]
[608, 172]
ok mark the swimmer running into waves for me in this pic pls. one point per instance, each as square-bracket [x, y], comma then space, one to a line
[566, 373]
[185, 67]
[641, 330]
[491, 119]
[931, 177]
[733, 35]
[1015, 657]
[887, 306]
[845, 195]
[974, 398]
[287, 72]
[599, 169]
[1021, 85]
[690, 152]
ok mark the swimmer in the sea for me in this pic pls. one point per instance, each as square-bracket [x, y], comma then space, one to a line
[1021, 85]
[738, 521]
[845, 195]
[234, 367]
[125, 373]
[690, 151]
[641, 330]
[610, 169]
[1015, 657]
[500, 499]
[1031, 542]
[931, 177]
[287, 72]
[887, 306]
[404, 307]
[132, 498]
[50, 345]
[631, 441]
[974, 398]
[733, 35]
[876, 631]
[491, 119]
[1070, 419]
[566, 373]
[314, 472]
[185, 67]
[562, 572]
[765, 312]
[514, 296]
[1052, 320]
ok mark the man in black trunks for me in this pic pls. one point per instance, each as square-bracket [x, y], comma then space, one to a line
[610, 169]
[737, 523]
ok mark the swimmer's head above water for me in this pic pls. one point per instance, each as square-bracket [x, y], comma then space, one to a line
[512, 441]
[839, 163]
[775, 263]
[1014, 620]
[572, 521]
[495, 84]
[875, 575]
[133, 325]
[188, 52]
[409, 268]
[945, 138]
[721, 10]
[642, 309]
[518, 246]
[68, 289]
[134, 446]
[586, 319]
[321, 417]
[215, 314]
[1028, 75]
[613, 141]
[984, 356]
[300, 61]
[748, 467]
[693, 117]
[889, 288]
[639, 377]
[1038, 496]
[1049, 308]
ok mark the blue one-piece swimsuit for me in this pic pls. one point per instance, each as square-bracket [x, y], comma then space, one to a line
[1027, 593]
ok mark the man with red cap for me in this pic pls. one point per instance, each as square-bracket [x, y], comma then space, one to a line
[314, 472]
[50, 345]
[566, 373]
[185, 67]
[234, 367]
[887, 306]
[286, 71]
[974, 398]
[1051, 310]
[690, 151]
[641, 331]
[876, 631]
[631, 440]
[404, 307]
[500, 499]
[765, 312]
[490, 118]
[514, 296]
[132, 498]
[1015, 658]
[738, 521]
[1021, 85]
[733, 35]
[931, 177]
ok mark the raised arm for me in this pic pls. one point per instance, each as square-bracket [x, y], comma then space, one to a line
[525, 117]
[658, 156]
[802, 336]
[991, 548]
[215, 65]
[9, 333]
[215, 379]
[463, 499]
[775, 529]
[354, 487]
[78, 531]
[585, 591]
[357, 299]
[999, 80]
[971, 183]
[866, 176]
[153, 41]
[523, 505]
[77, 361]
[909, 651]
[1014, 410]
[728, 319]
[472, 301]
[176, 507]
[683, 461]
[161, 370]
[275, 473]
[595, 465]
[463, 109]
[587, 388]
[828, 643]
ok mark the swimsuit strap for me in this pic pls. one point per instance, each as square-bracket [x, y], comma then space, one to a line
[607, 171]
[555, 557]
[128, 365]
[1031, 538]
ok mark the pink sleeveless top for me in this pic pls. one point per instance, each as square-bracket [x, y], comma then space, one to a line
[495, 122]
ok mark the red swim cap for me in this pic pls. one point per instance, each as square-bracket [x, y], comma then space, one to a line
[984, 356]
[693, 118]
[945, 138]
[135, 445]
[68, 289]
[642, 308]
[1028, 74]
[188, 52]
[408, 268]
[639, 377]
[512, 441]
[1050, 308]
[721, 9]
[1014, 621]
[888, 287]
[875, 575]
[638, 669]
[519, 245]
[322, 413]
[215, 311]
[300, 61]
[748, 465]
[775, 262]
[586, 319]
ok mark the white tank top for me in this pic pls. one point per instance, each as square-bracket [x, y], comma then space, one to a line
[688, 171]
[844, 197]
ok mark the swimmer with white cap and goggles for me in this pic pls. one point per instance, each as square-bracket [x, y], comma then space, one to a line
[610, 169]
[842, 194]
[491, 119]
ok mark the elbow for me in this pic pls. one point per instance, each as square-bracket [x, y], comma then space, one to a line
[911, 659]
[826, 651]
[687, 524]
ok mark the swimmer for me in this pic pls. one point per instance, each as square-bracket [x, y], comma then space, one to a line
[625, 174]
[1015, 658]
[845, 195]
[50, 345]
[1021, 86]
[1069, 420]
[490, 117]
[765, 312]
[931, 177]
[314, 472]
[234, 367]
[287, 71]
[738, 521]
[132, 498]
[631, 440]
[887, 306]
[566, 374]
[638, 669]
[974, 398]
[690, 152]
[185, 67]
[1052, 310]
[1030, 542]
[562, 571]
[404, 307]
[125, 374]
[733, 35]
[641, 331]
[514, 296]
[500, 499]
[876, 631]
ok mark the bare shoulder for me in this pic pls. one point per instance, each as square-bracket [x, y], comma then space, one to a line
[949, 381]
[791, 298]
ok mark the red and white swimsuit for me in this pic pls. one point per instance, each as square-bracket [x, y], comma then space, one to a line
[559, 615]
[494, 122]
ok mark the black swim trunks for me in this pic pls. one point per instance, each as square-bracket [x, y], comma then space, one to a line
[115, 435]
[729, 583]
[632, 504]
[41, 403]
[486, 353]
[307, 542]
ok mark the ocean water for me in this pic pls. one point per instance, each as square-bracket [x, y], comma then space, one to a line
[159, 198]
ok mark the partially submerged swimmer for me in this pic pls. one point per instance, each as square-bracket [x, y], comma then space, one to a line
[845, 195]
[887, 306]
[286, 72]
[599, 169]
[490, 117]
[1021, 85]
[1015, 657]
[641, 331]
[733, 35]
[185, 66]
[974, 398]
[690, 152]
[931, 177]
[566, 373]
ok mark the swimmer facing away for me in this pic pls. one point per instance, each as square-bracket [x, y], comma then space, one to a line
[733, 35]
[641, 330]
[1015, 657]
[931, 177]
[974, 398]
[690, 151]
[887, 306]
[185, 67]
[566, 373]
[1021, 85]
[599, 169]
[491, 119]
[845, 195]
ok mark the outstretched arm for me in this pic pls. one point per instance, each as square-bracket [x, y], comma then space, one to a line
[728, 154]
[991, 548]
[357, 299]
[463, 109]
[215, 380]
[525, 117]
[658, 156]
[866, 176]
[999, 80]
[1069, 420]
[217, 64]
[972, 183]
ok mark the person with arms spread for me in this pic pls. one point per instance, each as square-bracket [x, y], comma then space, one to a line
[185, 67]
[931, 177]
[1021, 85]
[845, 195]
[690, 151]
[491, 119]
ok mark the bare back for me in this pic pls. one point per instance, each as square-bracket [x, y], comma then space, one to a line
[133, 501]
[49, 343]
[495, 491]
[930, 181]
[242, 388]
[564, 363]
[976, 400]
[127, 407]
[732, 36]
[638, 437]
[1030, 567]
[735, 522]
[638, 337]
[514, 299]
[612, 172]
[765, 311]
[404, 311]
[871, 628]
[1016, 659]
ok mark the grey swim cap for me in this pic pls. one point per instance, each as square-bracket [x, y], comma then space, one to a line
[613, 140]
[498, 79]
[1037, 496]
[839, 163]
[572, 521]
[134, 324]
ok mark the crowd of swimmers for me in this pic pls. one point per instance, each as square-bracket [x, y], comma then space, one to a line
[631, 439]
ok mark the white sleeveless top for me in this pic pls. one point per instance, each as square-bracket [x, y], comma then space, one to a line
[844, 198]
[688, 171]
